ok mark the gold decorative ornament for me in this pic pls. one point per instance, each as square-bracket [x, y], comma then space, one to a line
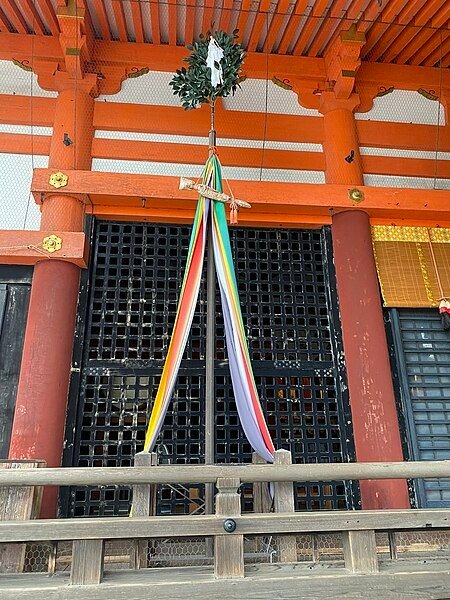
[356, 195]
[23, 64]
[384, 91]
[52, 243]
[58, 180]
[136, 72]
[428, 94]
[282, 83]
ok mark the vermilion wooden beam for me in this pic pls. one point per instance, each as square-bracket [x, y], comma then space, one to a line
[306, 32]
[33, 17]
[439, 54]
[327, 27]
[137, 21]
[172, 120]
[410, 10]
[15, 16]
[275, 24]
[244, 14]
[266, 197]
[397, 44]
[25, 247]
[367, 19]
[246, 125]
[189, 21]
[246, 218]
[294, 22]
[119, 16]
[173, 8]
[102, 17]
[231, 156]
[435, 46]
[379, 45]
[24, 110]
[11, 143]
[383, 28]
[49, 14]
[414, 45]
[4, 23]
[427, 12]
[154, 17]
[441, 16]
[196, 155]
[227, 7]
[208, 11]
[260, 25]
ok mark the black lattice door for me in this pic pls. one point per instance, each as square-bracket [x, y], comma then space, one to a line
[286, 286]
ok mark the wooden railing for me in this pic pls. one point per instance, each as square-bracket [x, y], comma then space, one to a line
[227, 526]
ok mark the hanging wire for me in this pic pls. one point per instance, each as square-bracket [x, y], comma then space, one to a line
[30, 195]
[75, 108]
[266, 98]
[436, 162]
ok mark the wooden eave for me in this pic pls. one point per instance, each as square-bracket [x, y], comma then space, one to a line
[398, 31]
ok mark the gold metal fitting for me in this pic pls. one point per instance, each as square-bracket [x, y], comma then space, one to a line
[58, 180]
[52, 243]
[356, 195]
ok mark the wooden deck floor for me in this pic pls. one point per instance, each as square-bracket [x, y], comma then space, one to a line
[399, 580]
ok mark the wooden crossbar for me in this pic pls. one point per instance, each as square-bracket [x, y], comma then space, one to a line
[212, 525]
[210, 473]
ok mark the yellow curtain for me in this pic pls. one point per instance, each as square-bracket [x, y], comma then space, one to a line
[413, 264]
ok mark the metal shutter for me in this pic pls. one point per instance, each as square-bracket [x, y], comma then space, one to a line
[423, 353]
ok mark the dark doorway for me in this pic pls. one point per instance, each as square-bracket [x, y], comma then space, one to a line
[288, 297]
[15, 285]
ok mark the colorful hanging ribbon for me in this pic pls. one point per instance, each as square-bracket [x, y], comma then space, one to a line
[245, 393]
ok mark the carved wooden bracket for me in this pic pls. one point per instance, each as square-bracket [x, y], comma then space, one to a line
[343, 60]
[341, 63]
[77, 64]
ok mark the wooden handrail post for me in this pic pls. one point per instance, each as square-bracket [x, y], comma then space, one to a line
[229, 547]
[144, 505]
[262, 500]
[87, 562]
[360, 551]
[284, 503]
[18, 504]
[144, 495]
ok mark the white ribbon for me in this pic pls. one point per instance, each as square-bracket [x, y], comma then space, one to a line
[215, 55]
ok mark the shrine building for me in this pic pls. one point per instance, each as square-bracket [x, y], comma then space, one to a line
[338, 136]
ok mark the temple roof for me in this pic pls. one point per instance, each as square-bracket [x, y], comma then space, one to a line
[414, 32]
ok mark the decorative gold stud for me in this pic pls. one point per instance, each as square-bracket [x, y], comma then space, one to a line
[58, 180]
[356, 195]
[52, 243]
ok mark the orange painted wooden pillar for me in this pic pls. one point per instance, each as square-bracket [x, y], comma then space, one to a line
[372, 400]
[40, 413]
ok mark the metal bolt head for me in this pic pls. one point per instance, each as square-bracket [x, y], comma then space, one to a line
[58, 180]
[356, 195]
[52, 243]
[229, 525]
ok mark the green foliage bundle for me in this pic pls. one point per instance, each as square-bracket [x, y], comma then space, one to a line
[193, 85]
